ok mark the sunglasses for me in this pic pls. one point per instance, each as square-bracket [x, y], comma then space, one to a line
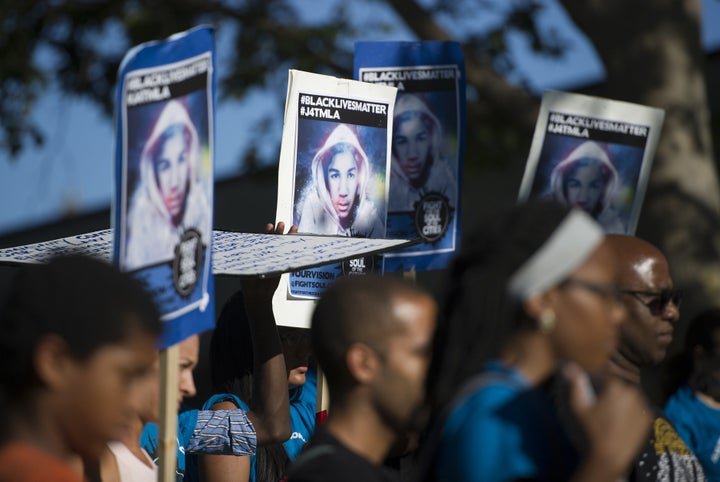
[659, 299]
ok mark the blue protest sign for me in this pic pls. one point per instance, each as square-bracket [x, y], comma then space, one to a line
[428, 144]
[164, 176]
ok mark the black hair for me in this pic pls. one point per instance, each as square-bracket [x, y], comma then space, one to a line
[682, 368]
[353, 309]
[231, 371]
[231, 352]
[478, 316]
[86, 302]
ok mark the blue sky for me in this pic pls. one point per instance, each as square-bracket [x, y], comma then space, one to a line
[72, 172]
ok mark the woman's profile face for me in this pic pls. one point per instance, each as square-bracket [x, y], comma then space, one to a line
[584, 186]
[172, 172]
[411, 144]
[342, 176]
[589, 312]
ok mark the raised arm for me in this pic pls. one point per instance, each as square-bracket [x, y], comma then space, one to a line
[270, 405]
[616, 424]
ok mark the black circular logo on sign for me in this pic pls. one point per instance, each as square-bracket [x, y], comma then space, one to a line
[187, 262]
[432, 216]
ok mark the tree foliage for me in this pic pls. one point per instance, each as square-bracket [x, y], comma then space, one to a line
[69, 41]
[650, 50]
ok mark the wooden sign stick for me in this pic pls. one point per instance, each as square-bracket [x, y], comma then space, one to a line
[168, 413]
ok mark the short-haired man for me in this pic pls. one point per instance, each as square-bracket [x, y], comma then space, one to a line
[653, 310]
[372, 337]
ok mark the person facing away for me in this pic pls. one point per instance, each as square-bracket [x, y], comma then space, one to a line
[532, 296]
[77, 338]
[234, 432]
[338, 202]
[694, 404]
[371, 337]
[653, 311]
[231, 369]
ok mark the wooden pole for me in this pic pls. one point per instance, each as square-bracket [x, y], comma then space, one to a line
[168, 413]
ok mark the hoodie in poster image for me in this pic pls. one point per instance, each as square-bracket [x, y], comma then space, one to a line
[418, 166]
[587, 179]
[349, 213]
[168, 199]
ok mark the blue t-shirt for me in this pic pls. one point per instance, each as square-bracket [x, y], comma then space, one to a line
[504, 430]
[303, 402]
[302, 416]
[699, 427]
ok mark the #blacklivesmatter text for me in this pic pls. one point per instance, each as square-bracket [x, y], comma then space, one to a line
[580, 126]
[334, 108]
[155, 85]
[399, 77]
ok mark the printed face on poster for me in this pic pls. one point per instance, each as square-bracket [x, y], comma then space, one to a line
[164, 206]
[424, 174]
[332, 178]
[594, 154]
[427, 145]
[340, 179]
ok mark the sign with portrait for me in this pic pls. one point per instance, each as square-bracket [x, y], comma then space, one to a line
[164, 196]
[595, 154]
[332, 177]
[428, 143]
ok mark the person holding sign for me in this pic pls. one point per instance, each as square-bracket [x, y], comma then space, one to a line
[587, 179]
[77, 337]
[232, 374]
[532, 298]
[418, 166]
[338, 203]
[235, 432]
[168, 200]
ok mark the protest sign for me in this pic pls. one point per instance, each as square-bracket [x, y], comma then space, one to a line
[595, 154]
[234, 254]
[164, 183]
[334, 163]
[428, 145]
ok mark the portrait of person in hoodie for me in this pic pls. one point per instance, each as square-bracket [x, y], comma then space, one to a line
[169, 199]
[586, 178]
[337, 202]
[418, 165]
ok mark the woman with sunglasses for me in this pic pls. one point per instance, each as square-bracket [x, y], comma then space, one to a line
[532, 295]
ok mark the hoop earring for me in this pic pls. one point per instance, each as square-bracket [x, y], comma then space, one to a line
[547, 321]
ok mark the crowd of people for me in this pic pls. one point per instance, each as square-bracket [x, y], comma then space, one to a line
[530, 367]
